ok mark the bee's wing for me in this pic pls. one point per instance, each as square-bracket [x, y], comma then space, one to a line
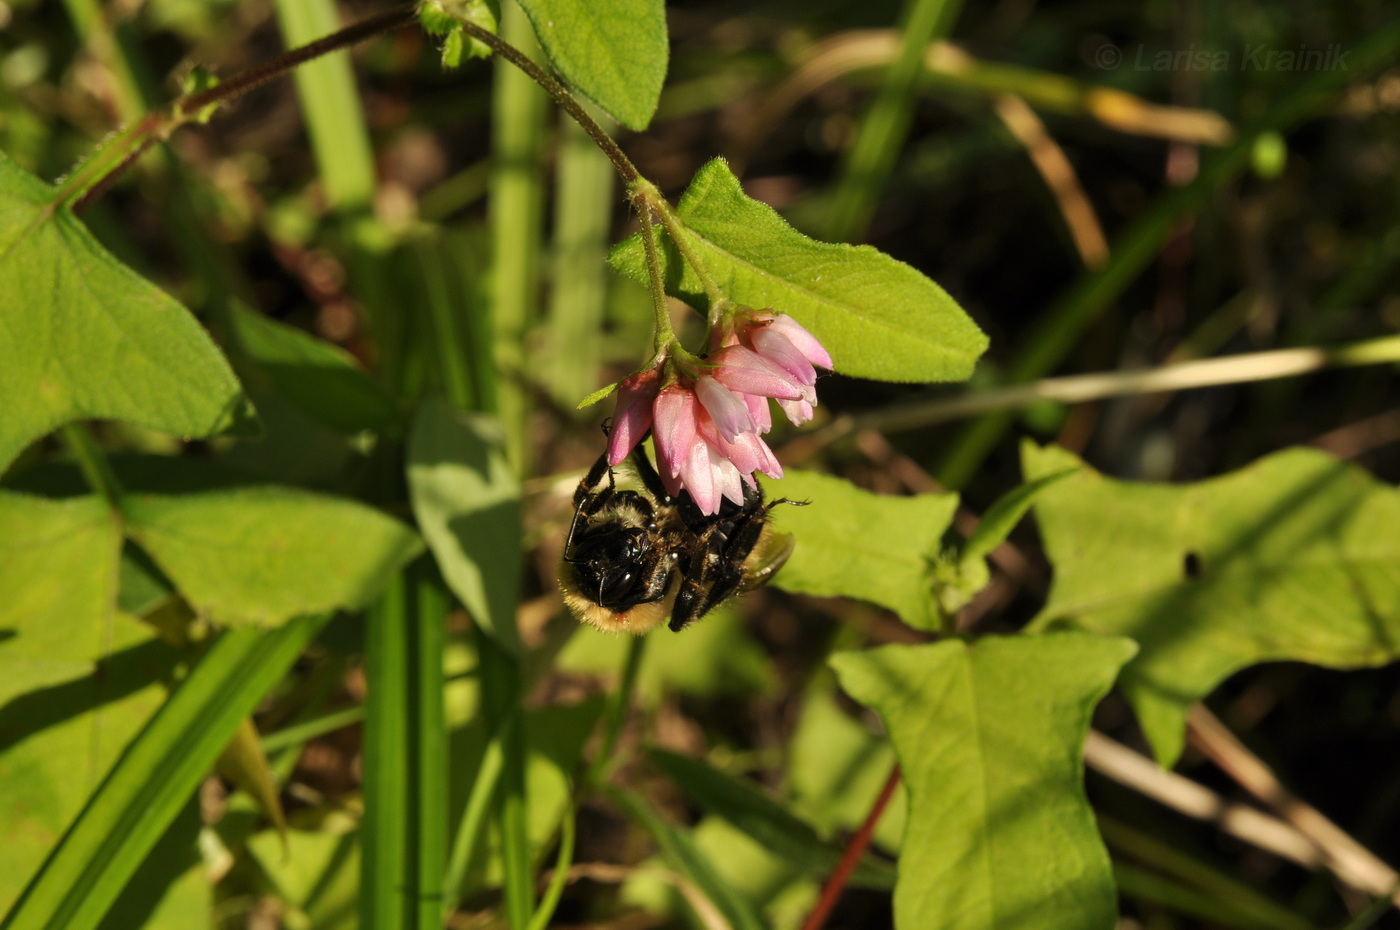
[768, 556]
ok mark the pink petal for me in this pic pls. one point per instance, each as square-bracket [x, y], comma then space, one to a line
[805, 342]
[758, 412]
[632, 415]
[740, 368]
[730, 413]
[698, 478]
[728, 481]
[776, 347]
[798, 411]
[674, 427]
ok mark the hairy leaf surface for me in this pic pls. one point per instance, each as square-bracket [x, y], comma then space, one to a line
[852, 543]
[263, 555]
[878, 317]
[83, 336]
[990, 741]
[1296, 556]
[614, 51]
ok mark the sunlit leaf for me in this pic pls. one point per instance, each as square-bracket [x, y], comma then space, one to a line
[156, 777]
[467, 500]
[614, 51]
[83, 336]
[990, 742]
[878, 317]
[264, 554]
[852, 543]
[1296, 556]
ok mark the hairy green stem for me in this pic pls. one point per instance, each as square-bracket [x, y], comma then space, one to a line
[663, 336]
[646, 192]
[540, 76]
[94, 176]
[617, 711]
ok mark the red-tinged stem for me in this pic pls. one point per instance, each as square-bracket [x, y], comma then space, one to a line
[836, 884]
[100, 171]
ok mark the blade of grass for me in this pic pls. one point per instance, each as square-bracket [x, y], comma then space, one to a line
[549, 901]
[472, 827]
[160, 771]
[583, 210]
[501, 696]
[384, 832]
[867, 165]
[516, 208]
[1060, 327]
[1166, 858]
[332, 106]
[685, 857]
[428, 735]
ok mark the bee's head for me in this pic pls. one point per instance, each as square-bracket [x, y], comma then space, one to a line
[609, 562]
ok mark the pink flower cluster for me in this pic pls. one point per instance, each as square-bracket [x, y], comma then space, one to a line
[708, 424]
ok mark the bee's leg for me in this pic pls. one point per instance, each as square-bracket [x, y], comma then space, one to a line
[690, 598]
[648, 475]
[587, 497]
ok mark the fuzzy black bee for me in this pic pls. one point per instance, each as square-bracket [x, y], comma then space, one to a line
[635, 557]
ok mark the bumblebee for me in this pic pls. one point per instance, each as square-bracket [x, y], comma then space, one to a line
[635, 557]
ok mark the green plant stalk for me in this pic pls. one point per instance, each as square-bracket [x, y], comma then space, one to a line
[470, 829]
[331, 102]
[1059, 329]
[583, 209]
[300, 733]
[452, 348]
[92, 462]
[516, 217]
[501, 702]
[886, 124]
[618, 707]
[428, 733]
[385, 841]
[549, 901]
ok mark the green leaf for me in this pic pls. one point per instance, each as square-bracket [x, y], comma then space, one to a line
[1292, 557]
[614, 51]
[878, 317]
[765, 820]
[263, 554]
[467, 501]
[852, 543]
[321, 379]
[990, 741]
[83, 336]
[1001, 518]
[77, 678]
[156, 777]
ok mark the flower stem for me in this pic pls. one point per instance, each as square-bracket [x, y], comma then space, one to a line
[92, 462]
[646, 192]
[540, 76]
[663, 336]
[108, 163]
